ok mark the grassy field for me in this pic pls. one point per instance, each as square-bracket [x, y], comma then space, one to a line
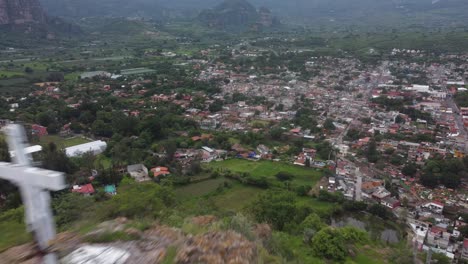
[370, 255]
[269, 169]
[199, 188]
[236, 198]
[72, 76]
[13, 233]
[10, 74]
[103, 161]
[62, 142]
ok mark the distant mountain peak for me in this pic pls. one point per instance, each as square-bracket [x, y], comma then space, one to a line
[14, 12]
[237, 14]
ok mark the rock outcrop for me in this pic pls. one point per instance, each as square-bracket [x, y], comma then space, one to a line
[237, 15]
[21, 12]
[156, 244]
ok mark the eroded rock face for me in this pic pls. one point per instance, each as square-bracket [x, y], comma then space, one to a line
[20, 12]
[217, 248]
[152, 246]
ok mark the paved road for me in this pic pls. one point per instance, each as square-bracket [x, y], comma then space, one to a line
[458, 118]
[369, 86]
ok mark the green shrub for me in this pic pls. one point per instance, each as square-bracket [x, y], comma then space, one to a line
[140, 200]
[329, 243]
[313, 222]
[13, 215]
[275, 207]
[354, 235]
[70, 207]
[240, 224]
[13, 228]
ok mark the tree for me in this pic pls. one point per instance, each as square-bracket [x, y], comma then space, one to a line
[409, 169]
[450, 180]
[372, 153]
[399, 119]
[313, 222]
[380, 211]
[4, 151]
[56, 159]
[45, 118]
[70, 207]
[275, 207]
[353, 134]
[216, 106]
[329, 243]
[430, 180]
[28, 70]
[124, 125]
[276, 133]
[303, 190]
[101, 129]
[328, 124]
[330, 197]
[284, 176]
[170, 147]
[463, 231]
[55, 77]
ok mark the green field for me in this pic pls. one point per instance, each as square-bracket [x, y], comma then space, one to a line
[10, 74]
[199, 188]
[72, 76]
[269, 169]
[136, 71]
[62, 142]
[236, 198]
[103, 161]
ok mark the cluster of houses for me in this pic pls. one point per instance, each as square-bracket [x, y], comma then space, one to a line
[338, 89]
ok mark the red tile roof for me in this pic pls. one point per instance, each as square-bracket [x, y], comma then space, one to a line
[85, 189]
[158, 171]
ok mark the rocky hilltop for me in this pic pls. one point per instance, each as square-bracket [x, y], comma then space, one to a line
[237, 14]
[21, 12]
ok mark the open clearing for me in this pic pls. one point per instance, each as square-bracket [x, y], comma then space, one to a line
[269, 169]
[199, 188]
[236, 198]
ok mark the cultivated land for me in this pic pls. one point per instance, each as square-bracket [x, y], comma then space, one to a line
[269, 169]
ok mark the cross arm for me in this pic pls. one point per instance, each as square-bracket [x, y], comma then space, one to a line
[39, 178]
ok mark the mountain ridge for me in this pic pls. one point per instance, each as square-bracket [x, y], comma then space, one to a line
[21, 12]
[393, 13]
[237, 15]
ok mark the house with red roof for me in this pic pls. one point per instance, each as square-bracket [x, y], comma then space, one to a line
[295, 130]
[390, 202]
[39, 130]
[160, 171]
[434, 206]
[301, 160]
[86, 190]
[438, 236]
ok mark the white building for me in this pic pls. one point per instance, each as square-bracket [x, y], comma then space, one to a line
[96, 147]
[419, 88]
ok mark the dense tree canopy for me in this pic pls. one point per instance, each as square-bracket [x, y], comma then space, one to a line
[448, 172]
[275, 207]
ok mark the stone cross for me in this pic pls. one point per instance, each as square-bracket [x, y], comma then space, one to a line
[34, 185]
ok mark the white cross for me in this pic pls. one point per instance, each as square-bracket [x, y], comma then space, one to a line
[34, 185]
